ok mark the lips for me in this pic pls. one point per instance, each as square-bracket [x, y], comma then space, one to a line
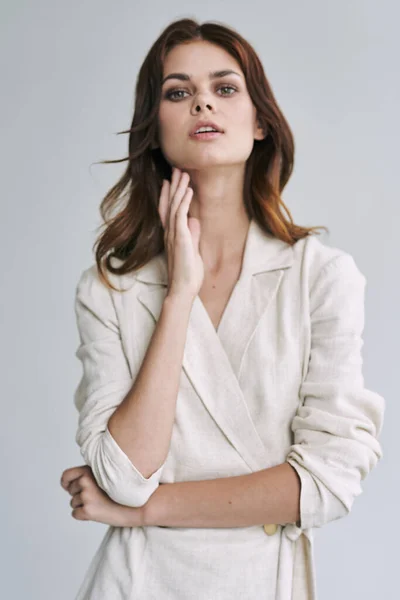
[205, 124]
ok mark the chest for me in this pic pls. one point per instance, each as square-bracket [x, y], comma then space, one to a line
[216, 291]
[243, 362]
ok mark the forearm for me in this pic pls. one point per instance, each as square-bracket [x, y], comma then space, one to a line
[269, 496]
[142, 423]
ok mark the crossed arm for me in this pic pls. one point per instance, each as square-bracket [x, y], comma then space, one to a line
[335, 430]
[268, 496]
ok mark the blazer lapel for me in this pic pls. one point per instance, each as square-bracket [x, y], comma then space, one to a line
[212, 358]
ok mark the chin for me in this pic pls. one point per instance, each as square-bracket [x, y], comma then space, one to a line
[203, 160]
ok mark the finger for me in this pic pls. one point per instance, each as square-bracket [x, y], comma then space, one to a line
[75, 487]
[180, 192]
[76, 501]
[163, 202]
[183, 209]
[175, 182]
[79, 514]
[175, 178]
[70, 474]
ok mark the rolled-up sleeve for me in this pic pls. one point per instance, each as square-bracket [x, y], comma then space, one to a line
[105, 381]
[338, 423]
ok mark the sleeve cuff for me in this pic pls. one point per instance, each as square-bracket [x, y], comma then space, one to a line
[119, 457]
[309, 496]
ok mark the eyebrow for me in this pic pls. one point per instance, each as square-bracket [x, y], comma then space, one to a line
[212, 75]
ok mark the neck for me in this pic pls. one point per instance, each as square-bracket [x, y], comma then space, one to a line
[218, 203]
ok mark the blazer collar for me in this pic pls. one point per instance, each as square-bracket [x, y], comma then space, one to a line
[213, 358]
[263, 252]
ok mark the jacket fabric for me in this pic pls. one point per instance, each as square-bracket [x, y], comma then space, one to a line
[279, 380]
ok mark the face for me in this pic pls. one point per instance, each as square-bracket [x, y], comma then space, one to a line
[223, 100]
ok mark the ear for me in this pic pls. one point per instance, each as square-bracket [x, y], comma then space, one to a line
[260, 133]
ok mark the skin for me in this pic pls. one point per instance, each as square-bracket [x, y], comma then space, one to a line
[216, 168]
[215, 171]
[90, 503]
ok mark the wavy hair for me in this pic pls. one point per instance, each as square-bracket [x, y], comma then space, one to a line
[132, 228]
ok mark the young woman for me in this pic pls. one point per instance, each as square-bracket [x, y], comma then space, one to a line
[222, 409]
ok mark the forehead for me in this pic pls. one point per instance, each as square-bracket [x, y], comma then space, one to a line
[199, 58]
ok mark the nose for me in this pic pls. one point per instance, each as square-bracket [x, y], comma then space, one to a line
[200, 105]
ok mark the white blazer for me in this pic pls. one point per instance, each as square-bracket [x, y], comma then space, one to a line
[280, 380]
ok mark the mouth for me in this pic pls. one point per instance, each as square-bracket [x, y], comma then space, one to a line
[206, 135]
[203, 124]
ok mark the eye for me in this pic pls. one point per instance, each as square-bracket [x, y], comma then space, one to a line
[228, 87]
[171, 94]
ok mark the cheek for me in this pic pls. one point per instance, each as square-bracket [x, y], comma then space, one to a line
[169, 120]
[244, 120]
[170, 141]
[239, 117]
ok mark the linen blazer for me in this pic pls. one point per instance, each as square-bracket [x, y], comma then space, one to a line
[279, 380]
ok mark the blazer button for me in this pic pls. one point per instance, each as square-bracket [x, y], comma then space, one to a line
[270, 529]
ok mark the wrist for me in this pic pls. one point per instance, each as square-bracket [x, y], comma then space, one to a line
[127, 516]
[156, 508]
[181, 299]
[134, 516]
[180, 304]
[149, 511]
[146, 515]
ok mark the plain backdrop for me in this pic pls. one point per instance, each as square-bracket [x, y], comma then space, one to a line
[68, 71]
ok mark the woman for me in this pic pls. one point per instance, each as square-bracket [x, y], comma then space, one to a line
[222, 410]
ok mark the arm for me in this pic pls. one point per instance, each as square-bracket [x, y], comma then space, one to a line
[336, 431]
[125, 427]
[142, 424]
[268, 496]
[337, 426]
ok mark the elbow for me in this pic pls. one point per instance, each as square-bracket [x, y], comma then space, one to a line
[328, 490]
[320, 502]
[132, 497]
[331, 467]
[115, 474]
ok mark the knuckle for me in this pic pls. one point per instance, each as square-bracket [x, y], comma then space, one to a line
[73, 502]
[87, 512]
[64, 477]
[85, 496]
[84, 479]
[77, 513]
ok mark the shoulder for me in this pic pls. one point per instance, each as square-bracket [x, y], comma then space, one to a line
[314, 258]
[89, 282]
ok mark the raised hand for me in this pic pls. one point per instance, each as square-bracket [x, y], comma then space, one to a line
[181, 236]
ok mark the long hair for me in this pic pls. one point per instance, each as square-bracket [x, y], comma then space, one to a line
[132, 228]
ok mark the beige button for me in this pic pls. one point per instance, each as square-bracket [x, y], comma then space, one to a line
[270, 529]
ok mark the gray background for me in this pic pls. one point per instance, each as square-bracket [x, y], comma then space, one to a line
[68, 71]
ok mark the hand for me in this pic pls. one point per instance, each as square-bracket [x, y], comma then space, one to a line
[181, 236]
[91, 503]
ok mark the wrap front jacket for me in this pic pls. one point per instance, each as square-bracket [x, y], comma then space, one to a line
[279, 380]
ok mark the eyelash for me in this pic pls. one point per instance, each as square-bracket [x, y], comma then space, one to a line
[171, 92]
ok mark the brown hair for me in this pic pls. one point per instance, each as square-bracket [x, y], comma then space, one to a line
[133, 232]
